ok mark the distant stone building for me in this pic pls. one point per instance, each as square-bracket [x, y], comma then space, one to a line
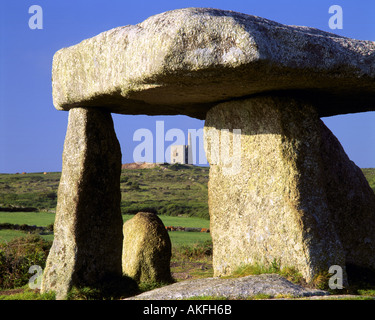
[182, 153]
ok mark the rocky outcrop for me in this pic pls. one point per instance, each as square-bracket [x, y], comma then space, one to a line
[88, 225]
[185, 61]
[139, 165]
[146, 253]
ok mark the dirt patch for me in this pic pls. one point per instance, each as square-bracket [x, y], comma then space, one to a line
[184, 270]
[11, 291]
[139, 165]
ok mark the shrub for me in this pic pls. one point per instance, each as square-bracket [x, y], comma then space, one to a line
[135, 186]
[193, 252]
[51, 195]
[17, 256]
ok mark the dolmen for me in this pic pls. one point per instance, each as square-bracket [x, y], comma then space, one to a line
[281, 188]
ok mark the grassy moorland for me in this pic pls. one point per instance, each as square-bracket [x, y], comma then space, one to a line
[166, 189]
[36, 191]
[370, 176]
[177, 193]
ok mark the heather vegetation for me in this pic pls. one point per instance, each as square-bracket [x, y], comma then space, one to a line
[16, 256]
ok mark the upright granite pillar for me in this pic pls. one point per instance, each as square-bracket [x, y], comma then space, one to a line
[351, 202]
[269, 204]
[87, 244]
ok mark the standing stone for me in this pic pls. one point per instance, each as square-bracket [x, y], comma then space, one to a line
[88, 227]
[273, 207]
[352, 204]
[147, 249]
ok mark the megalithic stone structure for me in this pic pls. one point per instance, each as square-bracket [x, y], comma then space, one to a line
[294, 196]
[88, 237]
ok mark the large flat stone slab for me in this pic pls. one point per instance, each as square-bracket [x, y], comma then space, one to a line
[185, 61]
[235, 288]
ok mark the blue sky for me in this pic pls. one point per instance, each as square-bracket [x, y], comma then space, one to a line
[32, 132]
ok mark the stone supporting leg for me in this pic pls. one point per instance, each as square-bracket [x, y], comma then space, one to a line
[352, 204]
[282, 202]
[87, 244]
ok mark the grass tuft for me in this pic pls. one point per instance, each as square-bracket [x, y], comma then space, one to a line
[290, 273]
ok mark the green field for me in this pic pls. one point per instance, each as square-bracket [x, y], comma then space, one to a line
[8, 235]
[40, 219]
[177, 193]
[44, 219]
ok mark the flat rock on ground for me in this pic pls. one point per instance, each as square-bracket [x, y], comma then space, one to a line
[236, 288]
